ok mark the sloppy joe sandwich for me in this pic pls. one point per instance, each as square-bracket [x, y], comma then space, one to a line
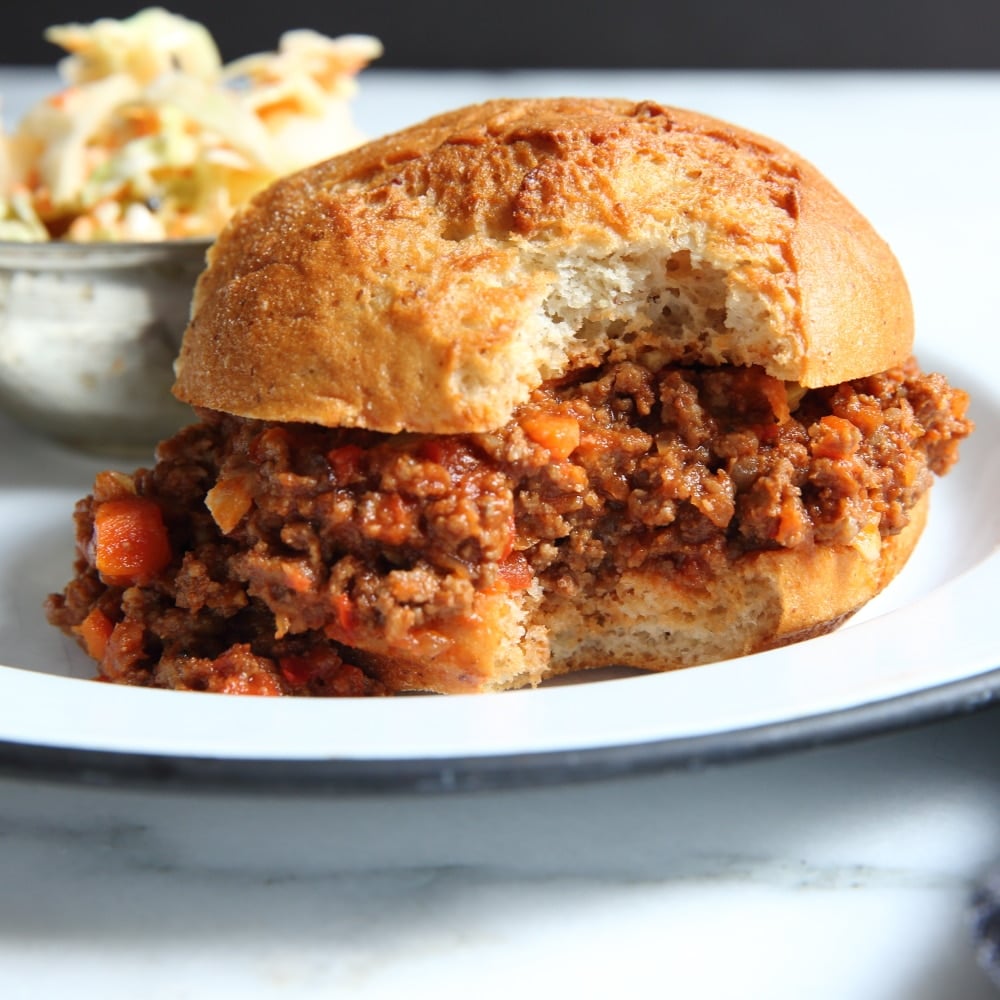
[532, 387]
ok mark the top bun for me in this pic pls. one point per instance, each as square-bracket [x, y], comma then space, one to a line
[430, 280]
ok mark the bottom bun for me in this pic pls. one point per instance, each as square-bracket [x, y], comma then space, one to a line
[770, 599]
[650, 622]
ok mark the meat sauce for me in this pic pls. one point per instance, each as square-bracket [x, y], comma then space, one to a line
[264, 558]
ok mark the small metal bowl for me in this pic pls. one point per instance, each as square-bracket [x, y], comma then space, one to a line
[88, 336]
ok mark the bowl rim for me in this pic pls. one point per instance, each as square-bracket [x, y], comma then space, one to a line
[70, 255]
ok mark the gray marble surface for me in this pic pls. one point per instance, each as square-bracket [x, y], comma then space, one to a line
[845, 871]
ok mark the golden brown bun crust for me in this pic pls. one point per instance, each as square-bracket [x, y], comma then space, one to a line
[431, 279]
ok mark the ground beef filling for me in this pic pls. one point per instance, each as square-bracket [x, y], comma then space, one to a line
[274, 558]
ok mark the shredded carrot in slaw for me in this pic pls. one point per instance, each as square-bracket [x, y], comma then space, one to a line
[151, 137]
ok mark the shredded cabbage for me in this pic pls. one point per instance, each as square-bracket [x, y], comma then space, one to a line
[152, 137]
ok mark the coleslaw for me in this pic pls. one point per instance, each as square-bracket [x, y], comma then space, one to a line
[152, 137]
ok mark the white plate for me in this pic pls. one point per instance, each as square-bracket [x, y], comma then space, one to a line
[926, 646]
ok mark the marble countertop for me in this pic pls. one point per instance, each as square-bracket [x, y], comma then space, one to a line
[831, 872]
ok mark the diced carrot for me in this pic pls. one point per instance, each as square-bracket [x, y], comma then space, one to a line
[834, 437]
[62, 98]
[299, 576]
[861, 410]
[558, 433]
[288, 106]
[911, 471]
[95, 630]
[143, 120]
[776, 394]
[791, 528]
[130, 543]
[228, 502]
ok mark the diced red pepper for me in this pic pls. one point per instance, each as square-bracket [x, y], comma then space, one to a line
[322, 669]
[347, 618]
[301, 668]
[834, 437]
[346, 462]
[297, 670]
[515, 573]
[451, 452]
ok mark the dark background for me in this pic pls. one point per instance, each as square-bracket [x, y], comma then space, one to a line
[897, 34]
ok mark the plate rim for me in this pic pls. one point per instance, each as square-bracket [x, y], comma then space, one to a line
[470, 774]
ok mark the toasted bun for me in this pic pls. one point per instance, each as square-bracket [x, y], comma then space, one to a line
[650, 622]
[769, 599]
[430, 280]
